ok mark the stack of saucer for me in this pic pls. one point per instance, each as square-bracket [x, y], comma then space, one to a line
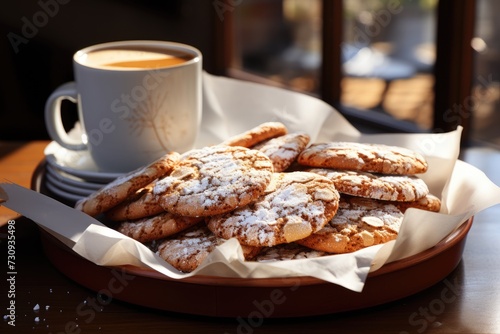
[72, 175]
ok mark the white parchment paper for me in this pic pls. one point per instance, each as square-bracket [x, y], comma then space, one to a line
[232, 106]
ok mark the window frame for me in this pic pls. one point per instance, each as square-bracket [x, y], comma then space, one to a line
[453, 68]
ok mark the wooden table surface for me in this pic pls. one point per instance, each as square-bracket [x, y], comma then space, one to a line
[46, 301]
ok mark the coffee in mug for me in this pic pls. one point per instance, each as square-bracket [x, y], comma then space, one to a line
[136, 101]
[122, 58]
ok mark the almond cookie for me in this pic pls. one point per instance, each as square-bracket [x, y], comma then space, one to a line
[214, 180]
[284, 150]
[127, 185]
[283, 252]
[140, 205]
[359, 223]
[187, 250]
[156, 227]
[428, 203]
[257, 134]
[375, 158]
[295, 205]
[404, 188]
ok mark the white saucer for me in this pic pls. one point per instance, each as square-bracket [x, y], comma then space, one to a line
[80, 191]
[76, 163]
[63, 194]
[60, 177]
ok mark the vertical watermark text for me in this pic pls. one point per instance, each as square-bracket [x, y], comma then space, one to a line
[10, 316]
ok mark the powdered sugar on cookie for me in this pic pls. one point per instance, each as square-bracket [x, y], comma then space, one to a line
[359, 223]
[376, 158]
[156, 227]
[187, 250]
[214, 180]
[301, 204]
[284, 150]
[126, 186]
[378, 186]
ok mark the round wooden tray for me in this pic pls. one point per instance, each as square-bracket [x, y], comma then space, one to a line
[263, 298]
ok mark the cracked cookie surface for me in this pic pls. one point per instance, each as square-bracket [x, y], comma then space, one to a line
[257, 134]
[126, 186]
[156, 227]
[428, 203]
[284, 150]
[375, 158]
[404, 188]
[142, 204]
[291, 251]
[359, 223]
[295, 205]
[187, 250]
[214, 180]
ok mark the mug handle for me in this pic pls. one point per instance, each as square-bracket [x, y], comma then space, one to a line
[53, 120]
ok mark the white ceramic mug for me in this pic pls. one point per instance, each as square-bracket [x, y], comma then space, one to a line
[136, 101]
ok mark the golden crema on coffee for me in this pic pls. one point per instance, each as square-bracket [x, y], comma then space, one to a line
[136, 59]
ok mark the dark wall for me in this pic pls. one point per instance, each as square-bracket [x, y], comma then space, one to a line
[40, 37]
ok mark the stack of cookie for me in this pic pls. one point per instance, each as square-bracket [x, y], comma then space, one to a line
[377, 184]
[183, 206]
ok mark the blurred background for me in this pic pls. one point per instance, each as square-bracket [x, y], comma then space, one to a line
[388, 65]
